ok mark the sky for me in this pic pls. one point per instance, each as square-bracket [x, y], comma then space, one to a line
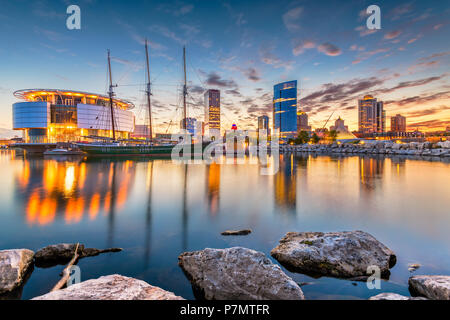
[242, 48]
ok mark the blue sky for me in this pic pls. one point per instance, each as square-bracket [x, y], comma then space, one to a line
[242, 48]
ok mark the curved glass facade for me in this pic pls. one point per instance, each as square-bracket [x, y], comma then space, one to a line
[285, 108]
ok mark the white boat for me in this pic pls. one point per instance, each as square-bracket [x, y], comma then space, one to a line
[62, 152]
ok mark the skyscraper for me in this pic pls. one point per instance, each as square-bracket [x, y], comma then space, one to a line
[285, 108]
[371, 115]
[398, 123]
[212, 113]
[302, 122]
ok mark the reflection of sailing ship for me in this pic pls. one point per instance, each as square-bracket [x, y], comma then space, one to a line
[213, 188]
[286, 184]
[185, 214]
[370, 172]
[148, 215]
[50, 189]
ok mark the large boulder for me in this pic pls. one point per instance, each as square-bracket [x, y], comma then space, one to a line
[393, 296]
[237, 274]
[15, 267]
[112, 287]
[62, 253]
[431, 287]
[345, 254]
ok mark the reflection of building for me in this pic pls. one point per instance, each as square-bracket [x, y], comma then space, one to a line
[213, 187]
[212, 113]
[398, 123]
[72, 190]
[371, 115]
[285, 108]
[370, 172]
[302, 122]
[286, 184]
[49, 115]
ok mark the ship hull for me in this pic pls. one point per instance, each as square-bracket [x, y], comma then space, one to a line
[118, 150]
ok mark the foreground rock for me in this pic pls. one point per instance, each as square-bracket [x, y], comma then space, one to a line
[15, 267]
[237, 274]
[338, 254]
[62, 253]
[243, 232]
[112, 287]
[393, 296]
[432, 287]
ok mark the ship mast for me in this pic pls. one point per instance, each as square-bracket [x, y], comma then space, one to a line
[184, 126]
[111, 94]
[148, 91]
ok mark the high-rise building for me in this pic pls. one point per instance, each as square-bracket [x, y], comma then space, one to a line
[285, 108]
[398, 123]
[447, 129]
[302, 122]
[371, 115]
[212, 113]
[263, 124]
[190, 125]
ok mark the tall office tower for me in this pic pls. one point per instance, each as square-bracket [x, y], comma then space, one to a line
[285, 109]
[302, 122]
[371, 115]
[263, 124]
[212, 113]
[398, 123]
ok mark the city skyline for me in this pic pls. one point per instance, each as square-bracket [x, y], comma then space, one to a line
[404, 64]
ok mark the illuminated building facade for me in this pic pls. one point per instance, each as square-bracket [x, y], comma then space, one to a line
[51, 115]
[285, 108]
[371, 115]
[398, 123]
[302, 122]
[212, 113]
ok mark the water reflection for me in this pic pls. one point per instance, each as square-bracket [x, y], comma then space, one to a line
[286, 184]
[72, 190]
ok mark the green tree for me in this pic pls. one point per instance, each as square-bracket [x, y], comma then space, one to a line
[332, 135]
[303, 137]
[315, 138]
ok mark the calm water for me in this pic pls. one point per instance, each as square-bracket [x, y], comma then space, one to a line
[156, 209]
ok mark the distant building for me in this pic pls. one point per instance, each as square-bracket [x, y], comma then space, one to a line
[342, 130]
[339, 126]
[141, 131]
[398, 123]
[447, 129]
[212, 113]
[302, 122]
[285, 109]
[371, 116]
[263, 124]
[191, 124]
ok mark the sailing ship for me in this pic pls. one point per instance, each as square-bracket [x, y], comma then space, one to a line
[150, 148]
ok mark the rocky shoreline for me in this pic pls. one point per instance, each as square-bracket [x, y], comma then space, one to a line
[235, 273]
[422, 149]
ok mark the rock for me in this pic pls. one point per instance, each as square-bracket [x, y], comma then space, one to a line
[243, 232]
[61, 254]
[112, 287]
[413, 267]
[431, 287]
[393, 296]
[237, 274]
[15, 267]
[338, 254]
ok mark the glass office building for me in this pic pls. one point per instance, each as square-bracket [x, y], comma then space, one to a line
[285, 109]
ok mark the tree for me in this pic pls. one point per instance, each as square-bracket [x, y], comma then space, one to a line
[332, 135]
[315, 138]
[303, 137]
